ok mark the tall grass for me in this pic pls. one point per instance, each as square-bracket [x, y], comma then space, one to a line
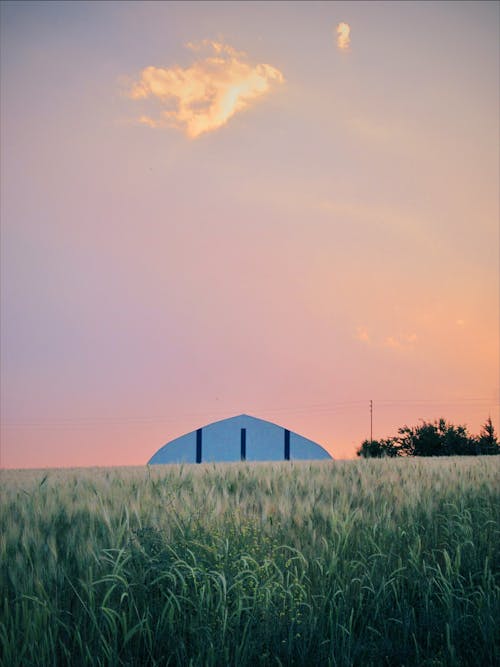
[392, 562]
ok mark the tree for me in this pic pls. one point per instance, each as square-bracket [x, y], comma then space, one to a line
[438, 438]
[487, 442]
[378, 449]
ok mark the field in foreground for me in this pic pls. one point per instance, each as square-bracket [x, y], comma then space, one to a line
[334, 563]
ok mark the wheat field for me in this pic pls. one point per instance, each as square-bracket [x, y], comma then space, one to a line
[354, 563]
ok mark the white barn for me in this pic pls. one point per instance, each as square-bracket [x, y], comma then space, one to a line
[241, 438]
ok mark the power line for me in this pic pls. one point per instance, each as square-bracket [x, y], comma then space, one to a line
[371, 420]
[315, 409]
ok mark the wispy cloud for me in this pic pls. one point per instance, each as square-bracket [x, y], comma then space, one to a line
[405, 341]
[416, 228]
[395, 342]
[203, 97]
[343, 36]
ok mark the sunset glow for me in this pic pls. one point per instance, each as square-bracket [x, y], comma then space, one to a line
[218, 208]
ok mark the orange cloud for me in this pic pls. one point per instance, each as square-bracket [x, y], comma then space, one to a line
[203, 97]
[363, 335]
[406, 341]
[343, 36]
[398, 342]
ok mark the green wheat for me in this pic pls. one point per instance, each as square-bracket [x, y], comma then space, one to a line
[330, 563]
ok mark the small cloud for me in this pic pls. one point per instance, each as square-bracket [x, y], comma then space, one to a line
[203, 97]
[343, 36]
[395, 342]
[392, 342]
[404, 341]
[363, 335]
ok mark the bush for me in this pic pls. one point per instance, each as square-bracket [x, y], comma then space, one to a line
[438, 438]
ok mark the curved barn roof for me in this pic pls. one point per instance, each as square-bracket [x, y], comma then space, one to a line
[239, 438]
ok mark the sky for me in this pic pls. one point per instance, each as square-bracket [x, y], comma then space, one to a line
[283, 209]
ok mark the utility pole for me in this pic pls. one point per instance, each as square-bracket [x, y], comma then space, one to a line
[371, 421]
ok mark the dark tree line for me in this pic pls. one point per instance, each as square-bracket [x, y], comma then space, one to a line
[438, 438]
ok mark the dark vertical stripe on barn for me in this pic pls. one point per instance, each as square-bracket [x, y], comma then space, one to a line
[243, 442]
[198, 445]
[287, 445]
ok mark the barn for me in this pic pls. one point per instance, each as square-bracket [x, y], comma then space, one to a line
[240, 438]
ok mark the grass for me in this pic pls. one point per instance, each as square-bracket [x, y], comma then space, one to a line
[392, 562]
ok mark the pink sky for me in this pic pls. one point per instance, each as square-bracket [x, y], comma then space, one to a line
[219, 208]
